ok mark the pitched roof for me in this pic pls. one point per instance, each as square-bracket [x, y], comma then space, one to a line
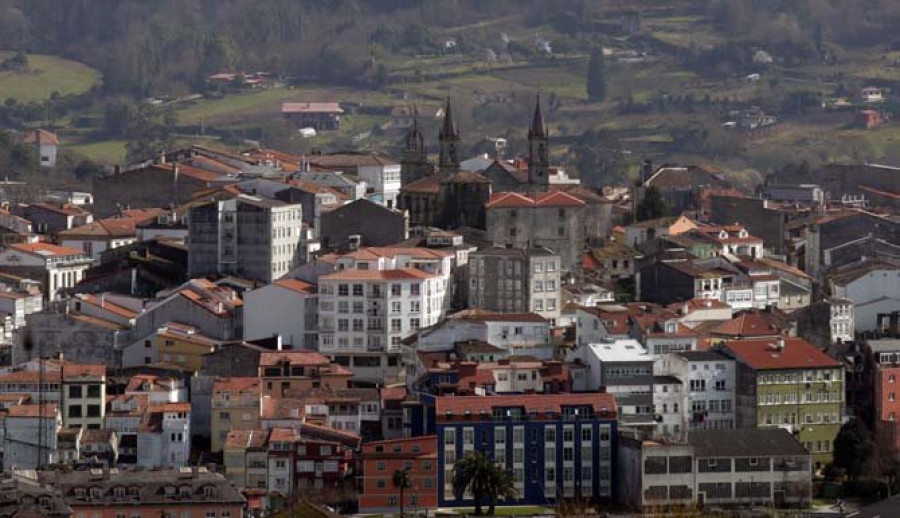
[45, 249]
[33, 410]
[430, 184]
[765, 355]
[40, 136]
[745, 442]
[112, 227]
[845, 276]
[296, 285]
[749, 324]
[509, 200]
[416, 252]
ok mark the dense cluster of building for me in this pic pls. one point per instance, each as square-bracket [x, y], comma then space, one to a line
[304, 327]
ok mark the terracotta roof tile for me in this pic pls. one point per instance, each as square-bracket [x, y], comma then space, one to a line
[364, 275]
[765, 355]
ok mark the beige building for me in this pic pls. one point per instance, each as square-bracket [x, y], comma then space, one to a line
[235, 406]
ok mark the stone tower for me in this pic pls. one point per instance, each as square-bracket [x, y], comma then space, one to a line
[449, 139]
[414, 164]
[538, 151]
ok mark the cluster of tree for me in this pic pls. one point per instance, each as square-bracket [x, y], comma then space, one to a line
[599, 159]
[147, 130]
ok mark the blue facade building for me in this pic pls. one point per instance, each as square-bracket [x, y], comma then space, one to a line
[557, 446]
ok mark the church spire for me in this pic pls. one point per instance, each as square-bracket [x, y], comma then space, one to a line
[414, 164]
[538, 126]
[538, 150]
[449, 140]
[450, 129]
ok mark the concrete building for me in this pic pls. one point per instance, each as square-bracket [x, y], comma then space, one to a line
[45, 144]
[254, 237]
[29, 436]
[380, 172]
[164, 436]
[639, 233]
[58, 268]
[83, 395]
[555, 220]
[721, 468]
[874, 289]
[235, 406]
[516, 280]
[362, 223]
[52, 218]
[709, 379]
[788, 383]
[381, 459]
[517, 334]
[365, 314]
[320, 116]
[287, 308]
[149, 185]
[180, 492]
[556, 446]
[105, 234]
[623, 369]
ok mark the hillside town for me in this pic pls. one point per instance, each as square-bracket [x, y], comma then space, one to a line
[225, 334]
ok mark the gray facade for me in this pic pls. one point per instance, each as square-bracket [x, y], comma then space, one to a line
[256, 238]
[513, 280]
[375, 225]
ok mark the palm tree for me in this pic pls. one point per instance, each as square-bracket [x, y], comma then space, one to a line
[486, 481]
[401, 481]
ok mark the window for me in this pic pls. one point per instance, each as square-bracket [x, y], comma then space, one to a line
[380, 465]
[75, 392]
[93, 391]
[75, 411]
[381, 483]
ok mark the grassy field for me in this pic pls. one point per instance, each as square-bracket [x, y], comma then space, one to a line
[267, 103]
[45, 75]
[105, 152]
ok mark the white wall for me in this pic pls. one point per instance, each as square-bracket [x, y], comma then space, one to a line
[866, 291]
[273, 309]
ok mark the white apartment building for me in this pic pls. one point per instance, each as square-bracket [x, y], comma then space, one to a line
[365, 314]
[842, 320]
[58, 268]
[525, 334]
[708, 379]
[164, 437]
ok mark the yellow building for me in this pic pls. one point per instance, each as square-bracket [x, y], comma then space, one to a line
[236, 404]
[789, 383]
[181, 344]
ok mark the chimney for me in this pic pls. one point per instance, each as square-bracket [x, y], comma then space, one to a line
[162, 157]
[278, 344]
[105, 472]
[780, 343]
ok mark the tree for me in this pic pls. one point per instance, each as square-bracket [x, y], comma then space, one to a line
[596, 76]
[653, 205]
[854, 449]
[487, 481]
[401, 481]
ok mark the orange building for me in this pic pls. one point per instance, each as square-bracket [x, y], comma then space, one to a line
[381, 459]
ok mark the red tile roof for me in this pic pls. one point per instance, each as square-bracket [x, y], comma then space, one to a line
[765, 355]
[749, 324]
[415, 252]
[45, 249]
[296, 285]
[31, 410]
[236, 384]
[428, 185]
[40, 136]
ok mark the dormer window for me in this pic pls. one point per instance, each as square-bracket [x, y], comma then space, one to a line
[96, 492]
[184, 491]
[723, 235]
[209, 492]
[134, 492]
[169, 491]
[119, 492]
[743, 233]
